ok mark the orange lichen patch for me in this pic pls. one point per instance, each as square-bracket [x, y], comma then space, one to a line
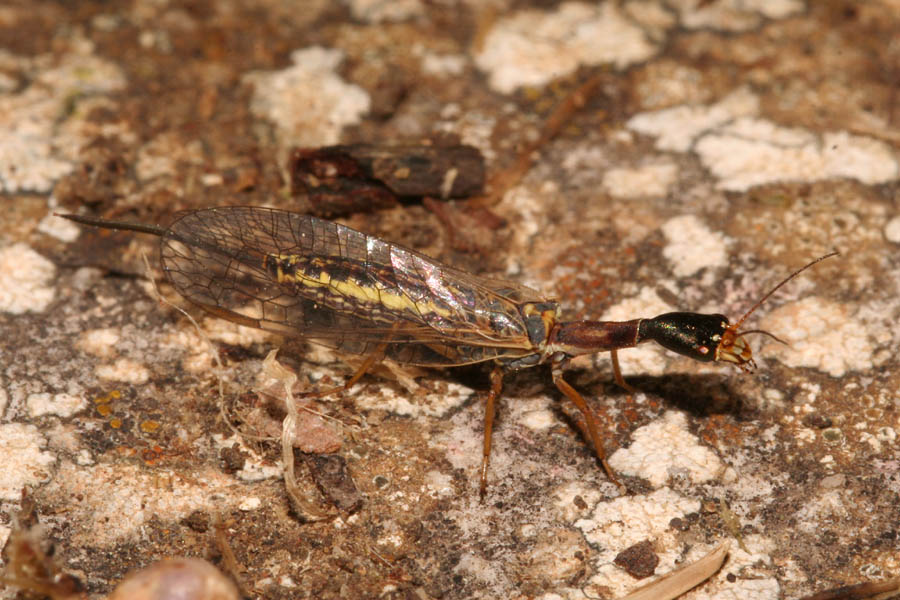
[631, 415]
[710, 437]
[151, 456]
[103, 402]
[115, 422]
[126, 451]
[624, 427]
[150, 426]
[718, 427]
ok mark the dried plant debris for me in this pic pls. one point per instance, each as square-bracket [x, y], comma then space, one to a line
[342, 180]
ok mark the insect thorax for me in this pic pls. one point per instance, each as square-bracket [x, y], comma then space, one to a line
[540, 319]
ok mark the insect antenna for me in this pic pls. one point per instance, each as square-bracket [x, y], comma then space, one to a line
[760, 302]
[764, 332]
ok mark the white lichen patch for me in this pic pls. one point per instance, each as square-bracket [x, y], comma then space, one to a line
[734, 15]
[742, 150]
[654, 17]
[198, 354]
[588, 158]
[533, 47]
[99, 342]
[821, 335]
[764, 588]
[529, 207]
[443, 65]
[231, 333]
[623, 522]
[308, 104]
[39, 141]
[427, 403]
[439, 485]
[60, 405]
[665, 448]
[25, 278]
[693, 246]
[124, 370]
[379, 11]
[557, 554]
[462, 445]
[25, 462]
[473, 566]
[539, 419]
[616, 525]
[124, 496]
[747, 486]
[471, 126]
[892, 230]
[676, 128]
[161, 156]
[751, 152]
[250, 504]
[60, 229]
[830, 506]
[650, 181]
[754, 563]
[197, 343]
[533, 412]
[564, 499]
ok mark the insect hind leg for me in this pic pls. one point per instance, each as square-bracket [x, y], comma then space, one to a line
[375, 357]
[496, 389]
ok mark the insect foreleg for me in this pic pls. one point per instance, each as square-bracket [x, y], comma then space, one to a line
[617, 373]
[589, 417]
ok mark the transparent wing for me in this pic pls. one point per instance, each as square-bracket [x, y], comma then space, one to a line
[300, 276]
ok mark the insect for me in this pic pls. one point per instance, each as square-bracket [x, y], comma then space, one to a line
[300, 276]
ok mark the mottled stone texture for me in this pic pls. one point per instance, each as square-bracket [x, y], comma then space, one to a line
[727, 143]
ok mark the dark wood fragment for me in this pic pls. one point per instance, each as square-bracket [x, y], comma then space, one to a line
[362, 177]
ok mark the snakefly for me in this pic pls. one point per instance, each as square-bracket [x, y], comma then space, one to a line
[300, 276]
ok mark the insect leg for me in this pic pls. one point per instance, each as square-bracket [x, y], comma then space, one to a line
[496, 388]
[376, 356]
[617, 373]
[370, 360]
[589, 418]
